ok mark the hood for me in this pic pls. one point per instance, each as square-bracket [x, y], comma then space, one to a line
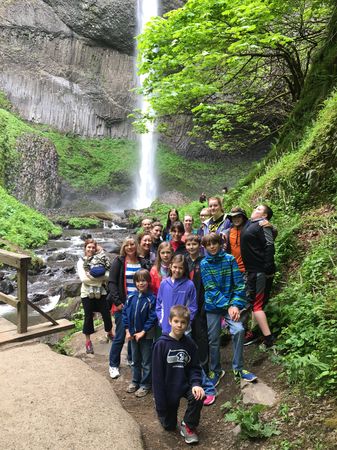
[214, 258]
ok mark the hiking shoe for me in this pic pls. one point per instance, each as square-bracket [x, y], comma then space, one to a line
[268, 344]
[141, 392]
[216, 377]
[114, 372]
[245, 375]
[250, 338]
[209, 400]
[89, 348]
[188, 434]
[131, 388]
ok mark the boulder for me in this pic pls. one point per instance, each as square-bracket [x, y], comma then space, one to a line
[6, 286]
[70, 289]
[66, 308]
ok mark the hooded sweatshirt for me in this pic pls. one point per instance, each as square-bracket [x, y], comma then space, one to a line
[223, 283]
[179, 292]
[175, 369]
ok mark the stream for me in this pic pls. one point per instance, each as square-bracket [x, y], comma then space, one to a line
[60, 257]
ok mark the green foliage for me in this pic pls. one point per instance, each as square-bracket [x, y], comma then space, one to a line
[83, 222]
[4, 102]
[251, 425]
[22, 225]
[235, 66]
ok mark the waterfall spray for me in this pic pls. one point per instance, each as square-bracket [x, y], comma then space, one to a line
[146, 185]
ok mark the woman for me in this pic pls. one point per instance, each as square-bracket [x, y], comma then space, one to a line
[218, 222]
[172, 216]
[91, 305]
[120, 286]
[188, 225]
[144, 249]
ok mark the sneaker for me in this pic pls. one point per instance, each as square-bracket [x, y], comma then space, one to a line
[114, 372]
[89, 348]
[141, 392]
[250, 338]
[245, 375]
[209, 400]
[216, 377]
[188, 434]
[131, 388]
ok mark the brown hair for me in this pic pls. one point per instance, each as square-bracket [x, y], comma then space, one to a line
[180, 311]
[218, 199]
[89, 241]
[126, 240]
[193, 238]
[157, 224]
[178, 226]
[211, 238]
[160, 248]
[180, 259]
[142, 275]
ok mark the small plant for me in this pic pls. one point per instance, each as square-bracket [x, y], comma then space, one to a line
[251, 425]
[284, 412]
[83, 222]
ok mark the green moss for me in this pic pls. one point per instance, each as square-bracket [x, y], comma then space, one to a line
[83, 222]
[22, 225]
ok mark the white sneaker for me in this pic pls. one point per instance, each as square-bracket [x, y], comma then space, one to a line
[114, 372]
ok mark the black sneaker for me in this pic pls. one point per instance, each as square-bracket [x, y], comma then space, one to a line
[268, 343]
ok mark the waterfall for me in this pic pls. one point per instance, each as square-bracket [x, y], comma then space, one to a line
[146, 185]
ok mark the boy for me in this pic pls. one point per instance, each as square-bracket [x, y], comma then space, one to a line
[199, 325]
[224, 296]
[177, 374]
[257, 251]
[139, 320]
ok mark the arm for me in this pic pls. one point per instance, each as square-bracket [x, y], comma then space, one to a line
[269, 251]
[158, 377]
[159, 306]
[192, 301]
[152, 317]
[85, 278]
[113, 284]
[239, 298]
[211, 288]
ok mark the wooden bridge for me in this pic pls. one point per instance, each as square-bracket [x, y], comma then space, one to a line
[10, 332]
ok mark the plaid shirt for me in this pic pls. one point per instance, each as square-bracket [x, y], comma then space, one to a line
[223, 282]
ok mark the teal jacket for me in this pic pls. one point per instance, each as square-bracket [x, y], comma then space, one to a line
[223, 283]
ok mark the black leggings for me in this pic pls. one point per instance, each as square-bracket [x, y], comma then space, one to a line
[91, 305]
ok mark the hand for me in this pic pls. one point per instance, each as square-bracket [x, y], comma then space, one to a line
[234, 313]
[138, 336]
[265, 223]
[198, 392]
[128, 335]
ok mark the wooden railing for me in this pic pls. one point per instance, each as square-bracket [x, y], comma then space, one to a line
[20, 262]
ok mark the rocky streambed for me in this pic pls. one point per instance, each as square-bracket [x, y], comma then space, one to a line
[54, 285]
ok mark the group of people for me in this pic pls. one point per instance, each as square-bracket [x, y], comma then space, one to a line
[172, 291]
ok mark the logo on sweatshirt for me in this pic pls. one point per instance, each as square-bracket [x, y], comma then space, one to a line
[179, 356]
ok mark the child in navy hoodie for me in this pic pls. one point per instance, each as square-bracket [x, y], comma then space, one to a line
[177, 374]
[177, 289]
[139, 319]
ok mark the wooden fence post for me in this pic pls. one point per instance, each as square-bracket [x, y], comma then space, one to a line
[22, 276]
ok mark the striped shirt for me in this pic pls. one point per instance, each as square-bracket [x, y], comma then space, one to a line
[130, 270]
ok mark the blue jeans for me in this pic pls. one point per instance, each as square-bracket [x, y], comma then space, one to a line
[118, 341]
[142, 362]
[207, 384]
[237, 331]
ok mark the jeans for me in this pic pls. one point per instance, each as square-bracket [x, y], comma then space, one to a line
[207, 384]
[118, 341]
[142, 362]
[214, 330]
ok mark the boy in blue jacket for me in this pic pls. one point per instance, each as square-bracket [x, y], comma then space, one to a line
[139, 319]
[224, 297]
[177, 374]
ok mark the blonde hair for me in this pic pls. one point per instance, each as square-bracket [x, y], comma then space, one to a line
[160, 248]
[124, 244]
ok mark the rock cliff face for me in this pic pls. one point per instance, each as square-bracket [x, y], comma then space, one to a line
[35, 175]
[70, 65]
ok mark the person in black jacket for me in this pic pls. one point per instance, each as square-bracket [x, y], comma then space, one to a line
[120, 286]
[176, 374]
[257, 251]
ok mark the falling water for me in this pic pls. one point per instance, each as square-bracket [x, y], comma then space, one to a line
[146, 186]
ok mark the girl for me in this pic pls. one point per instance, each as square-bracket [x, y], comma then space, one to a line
[144, 249]
[161, 267]
[120, 286]
[91, 305]
[188, 225]
[177, 231]
[177, 289]
[218, 222]
[172, 216]
[139, 320]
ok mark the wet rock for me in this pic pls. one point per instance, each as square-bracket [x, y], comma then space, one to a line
[173, 198]
[66, 308]
[38, 297]
[84, 236]
[112, 247]
[69, 269]
[71, 289]
[6, 286]
[57, 257]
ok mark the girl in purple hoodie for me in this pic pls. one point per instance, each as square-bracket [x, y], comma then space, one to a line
[177, 289]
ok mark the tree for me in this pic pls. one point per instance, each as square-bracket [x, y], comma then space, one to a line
[235, 66]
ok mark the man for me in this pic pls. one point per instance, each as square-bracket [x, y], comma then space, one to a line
[257, 251]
